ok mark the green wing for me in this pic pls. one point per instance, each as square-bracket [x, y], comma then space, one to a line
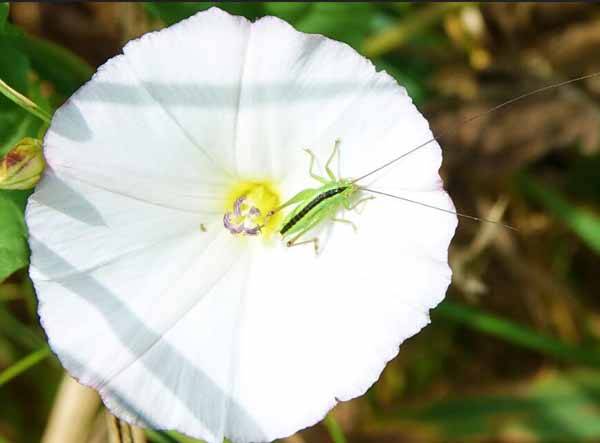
[321, 213]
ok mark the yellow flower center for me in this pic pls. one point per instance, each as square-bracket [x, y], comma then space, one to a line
[248, 206]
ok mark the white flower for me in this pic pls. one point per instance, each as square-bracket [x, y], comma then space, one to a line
[179, 324]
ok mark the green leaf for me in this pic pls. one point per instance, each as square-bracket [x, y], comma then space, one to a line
[411, 81]
[65, 70]
[173, 12]
[14, 67]
[581, 221]
[551, 408]
[15, 122]
[347, 22]
[3, 15]
[14, 252]
[288, 11]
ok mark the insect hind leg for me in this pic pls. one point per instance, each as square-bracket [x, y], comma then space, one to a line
[295, 242]
[315, 241]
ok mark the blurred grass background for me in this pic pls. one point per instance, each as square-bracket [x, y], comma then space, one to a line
[513, 354]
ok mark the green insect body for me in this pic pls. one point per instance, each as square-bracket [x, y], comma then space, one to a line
[316, 205]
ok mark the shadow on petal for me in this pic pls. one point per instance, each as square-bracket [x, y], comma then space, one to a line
[56, 194]
[72, 124]
[217, 95]
[128, 328]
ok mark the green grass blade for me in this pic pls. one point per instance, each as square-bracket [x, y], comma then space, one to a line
[23, 365]
[24, 102]
[3, 16]
[160, 437]
[334, 429]
[585, 224]
[551, 408]
[18, 332]
[516, 334]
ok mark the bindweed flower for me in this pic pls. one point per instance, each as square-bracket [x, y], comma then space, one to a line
[22, 166]
[162, 280]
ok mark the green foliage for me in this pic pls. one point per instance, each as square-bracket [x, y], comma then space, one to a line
[516, 334]
[582, 222]
[15, 122]
[409, 28]
[66, 71]
[3, 15]
[335, 430]
[24, 364]
[169, 437]
[291, 12]
[14, 252]
[347, 22]
[24, 60]
[557, 407]
[172, 12]
[26, 337]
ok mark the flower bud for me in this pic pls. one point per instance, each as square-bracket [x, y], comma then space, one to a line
[22, 166]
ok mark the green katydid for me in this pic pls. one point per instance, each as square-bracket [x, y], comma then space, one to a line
[314, 206]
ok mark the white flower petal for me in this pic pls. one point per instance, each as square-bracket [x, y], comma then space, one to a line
[112, 134]
[89, 226]
[193, 70]
[155, 332]
[305, 91]
[317, 330]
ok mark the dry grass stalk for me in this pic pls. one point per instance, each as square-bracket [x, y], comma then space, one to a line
[120, 431]
[72, 414]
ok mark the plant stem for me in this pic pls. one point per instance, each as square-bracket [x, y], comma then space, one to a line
[396, 36]
[334, 429]
[24, 102]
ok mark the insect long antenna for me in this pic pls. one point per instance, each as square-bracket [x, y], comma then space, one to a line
[470, 217]
[476, 117]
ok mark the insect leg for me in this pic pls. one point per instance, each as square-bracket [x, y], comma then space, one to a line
[295, 242]
[322, 180]
[336, 148]
[362, 200]
[342, 220]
